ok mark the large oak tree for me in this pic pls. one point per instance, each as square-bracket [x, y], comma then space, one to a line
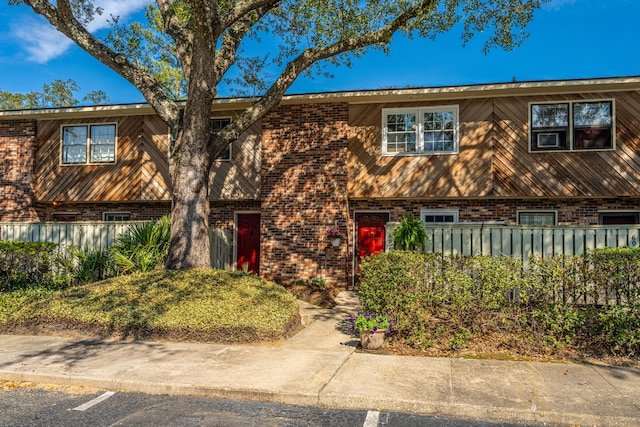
[202, 42]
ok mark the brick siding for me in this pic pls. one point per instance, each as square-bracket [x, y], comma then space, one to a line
[570, 211]
[304, 192]
[17, 166]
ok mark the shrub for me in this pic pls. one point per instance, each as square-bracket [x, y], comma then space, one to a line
[577, 302]
[617, 330]
[28, 264]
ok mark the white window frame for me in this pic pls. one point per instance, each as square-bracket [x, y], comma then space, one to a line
[570, 127]
[220, 158]
[537, 212]
[419, 130]
[105, 214]
[88, 144]
[453, 212]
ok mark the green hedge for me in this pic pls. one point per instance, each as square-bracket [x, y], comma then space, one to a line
[588, 301]
[28, 264]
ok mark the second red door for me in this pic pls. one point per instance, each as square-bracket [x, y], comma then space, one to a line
[248, 245]
[371, 235]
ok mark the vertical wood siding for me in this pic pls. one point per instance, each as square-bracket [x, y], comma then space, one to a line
[108, 182]
[239, 179]
[141, 171]
[155, 180]
[452, 175]
[519, 173]
[494, 158]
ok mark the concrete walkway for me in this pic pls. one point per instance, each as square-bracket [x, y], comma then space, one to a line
[319, 366]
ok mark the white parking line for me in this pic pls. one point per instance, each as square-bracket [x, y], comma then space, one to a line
[372, 419]
[95, 401]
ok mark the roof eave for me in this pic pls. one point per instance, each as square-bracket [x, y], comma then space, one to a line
[529, 88]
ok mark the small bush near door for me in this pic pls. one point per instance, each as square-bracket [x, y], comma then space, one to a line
[554, 307]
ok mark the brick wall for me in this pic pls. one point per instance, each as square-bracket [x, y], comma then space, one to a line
[17, 166]
[570, 211]
[141, 211]
[304, 192]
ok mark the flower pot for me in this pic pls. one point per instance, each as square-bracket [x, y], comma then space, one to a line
[335, 242]
[372, 341]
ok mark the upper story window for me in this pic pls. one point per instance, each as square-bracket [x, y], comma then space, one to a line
[565, 126]
[86, 144]
[217, 124]
[414, 131]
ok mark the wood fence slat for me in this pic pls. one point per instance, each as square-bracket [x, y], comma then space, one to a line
[568, 242]
[634, 237]
[457, 241]
[447, 244]
[601, 238]
[547, 242]
[436, 243]
[558, 241]
[485, 241]
[505, 246]
[516, 242]
[622, 238]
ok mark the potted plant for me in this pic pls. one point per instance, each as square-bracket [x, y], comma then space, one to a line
[410, 234]
[334, 236]
[372, 328]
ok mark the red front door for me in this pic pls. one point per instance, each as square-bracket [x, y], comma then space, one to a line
[248, 246]
[371, 235]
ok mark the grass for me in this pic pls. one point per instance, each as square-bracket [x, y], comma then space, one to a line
[193, 305]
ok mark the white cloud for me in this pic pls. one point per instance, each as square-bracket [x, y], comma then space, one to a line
[43, 42]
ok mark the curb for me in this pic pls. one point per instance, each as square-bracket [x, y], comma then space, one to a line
[335, 401]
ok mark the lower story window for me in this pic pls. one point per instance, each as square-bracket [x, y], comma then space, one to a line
[116, 216]
[537, 218]
[439, 216]
[619, 218]
[65, 216]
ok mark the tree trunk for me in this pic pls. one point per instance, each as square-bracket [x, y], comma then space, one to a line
[189, 168]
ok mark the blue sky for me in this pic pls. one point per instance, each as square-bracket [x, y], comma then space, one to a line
[568, 39]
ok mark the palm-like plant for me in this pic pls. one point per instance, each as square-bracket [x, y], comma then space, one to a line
[410, 234]
[91, 265]
[143, 248]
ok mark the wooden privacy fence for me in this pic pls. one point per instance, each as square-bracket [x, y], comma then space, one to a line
[522, 241]
[219, 244]
[99, 235]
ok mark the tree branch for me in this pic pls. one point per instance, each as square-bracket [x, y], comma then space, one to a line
[242, 8]
[226, 56]
[302, 62]
[176, 30]
[67, 24]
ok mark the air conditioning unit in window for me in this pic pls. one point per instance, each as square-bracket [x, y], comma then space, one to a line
[548, 140]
